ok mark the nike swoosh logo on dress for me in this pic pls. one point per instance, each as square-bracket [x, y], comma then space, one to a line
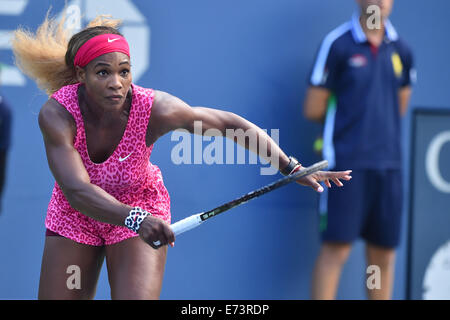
[123, 159]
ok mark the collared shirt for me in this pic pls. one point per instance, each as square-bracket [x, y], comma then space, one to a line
[362, 125]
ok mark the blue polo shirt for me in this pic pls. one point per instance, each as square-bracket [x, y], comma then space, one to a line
[362, 124]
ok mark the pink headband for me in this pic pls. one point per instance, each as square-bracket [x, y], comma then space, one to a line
[99, 45]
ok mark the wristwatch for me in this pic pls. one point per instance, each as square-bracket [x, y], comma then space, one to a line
[293, 163]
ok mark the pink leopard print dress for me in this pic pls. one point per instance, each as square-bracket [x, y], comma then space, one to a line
[127, 175]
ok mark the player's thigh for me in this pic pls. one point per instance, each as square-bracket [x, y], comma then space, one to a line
[69, 270]
[135, 270]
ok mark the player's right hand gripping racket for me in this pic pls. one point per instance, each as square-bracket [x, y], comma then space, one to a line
[196, 219]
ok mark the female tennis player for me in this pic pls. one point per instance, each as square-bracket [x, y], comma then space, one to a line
[99, 129]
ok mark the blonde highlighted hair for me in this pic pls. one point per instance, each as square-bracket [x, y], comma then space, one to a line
[47, 55]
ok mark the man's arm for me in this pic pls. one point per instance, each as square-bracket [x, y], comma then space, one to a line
[404, 95]
[409, 76]
[323, 79]
[315, 104]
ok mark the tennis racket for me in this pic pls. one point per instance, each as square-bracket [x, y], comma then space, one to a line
[196, 219]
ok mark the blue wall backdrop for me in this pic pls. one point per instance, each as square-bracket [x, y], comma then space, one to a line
[250, 57]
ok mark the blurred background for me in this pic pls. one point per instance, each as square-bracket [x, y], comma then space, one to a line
[252, 58]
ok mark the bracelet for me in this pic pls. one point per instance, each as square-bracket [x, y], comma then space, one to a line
[297, 167]
[291, 167]
[135, 217]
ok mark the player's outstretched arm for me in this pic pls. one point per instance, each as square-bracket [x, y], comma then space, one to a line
[171, 113]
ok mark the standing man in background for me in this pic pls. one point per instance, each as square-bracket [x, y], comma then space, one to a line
[360, 88]
[5, 137]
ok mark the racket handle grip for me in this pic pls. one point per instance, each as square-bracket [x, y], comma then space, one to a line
[184, 225]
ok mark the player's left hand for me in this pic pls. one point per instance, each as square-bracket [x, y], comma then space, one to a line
[313, 179]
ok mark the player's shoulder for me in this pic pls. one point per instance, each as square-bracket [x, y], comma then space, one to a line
[166, 104]
[54, 115]
[53, 108]
[163, 97]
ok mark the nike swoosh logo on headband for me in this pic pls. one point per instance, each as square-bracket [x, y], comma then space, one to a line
[112, 40]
